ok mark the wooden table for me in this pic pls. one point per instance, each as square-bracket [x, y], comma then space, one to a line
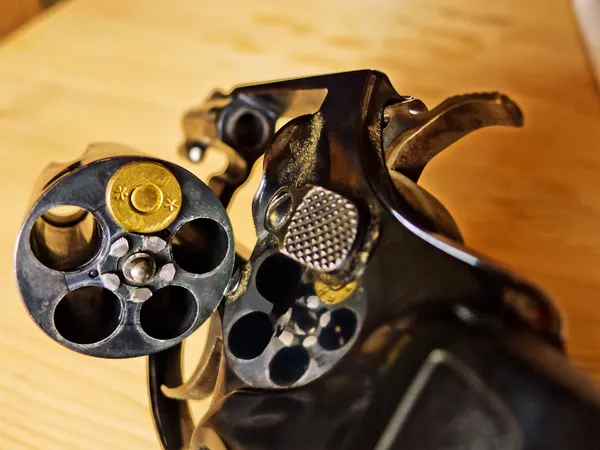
[125, 71]
[15, 12]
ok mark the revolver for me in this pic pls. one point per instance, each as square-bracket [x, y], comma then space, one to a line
[360, 320]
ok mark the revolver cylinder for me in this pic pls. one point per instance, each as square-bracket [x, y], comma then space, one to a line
[123, 255]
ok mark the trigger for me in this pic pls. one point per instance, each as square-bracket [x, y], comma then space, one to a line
[413, 135]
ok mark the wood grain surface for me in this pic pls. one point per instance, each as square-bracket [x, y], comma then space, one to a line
[126, 70]
[14, 12]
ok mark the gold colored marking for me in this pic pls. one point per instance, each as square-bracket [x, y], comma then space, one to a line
[334, 294]
[121, 193]
[243, 285]
[301, 168]
[171, 204]
[136, 193]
